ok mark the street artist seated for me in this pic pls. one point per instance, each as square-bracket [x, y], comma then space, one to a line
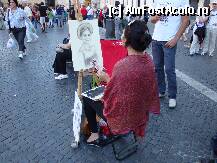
[131, 92]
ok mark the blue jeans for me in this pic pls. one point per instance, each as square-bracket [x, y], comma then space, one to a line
[164, 58]
[90, 17]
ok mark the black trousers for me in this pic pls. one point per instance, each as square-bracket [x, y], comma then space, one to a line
[20, 34]
[59, 64]
[93, 108]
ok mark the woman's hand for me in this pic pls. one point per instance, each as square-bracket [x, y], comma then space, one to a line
[64, 46]
[103, 76]
[171, 43]
[155, 19]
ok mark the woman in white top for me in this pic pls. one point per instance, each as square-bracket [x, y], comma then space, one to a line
[211, 30]
[16, 18]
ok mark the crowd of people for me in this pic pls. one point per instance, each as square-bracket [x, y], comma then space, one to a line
[22, 20]
[203, 39]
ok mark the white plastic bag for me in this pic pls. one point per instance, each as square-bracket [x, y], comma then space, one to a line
[11, 42]
[30, 31]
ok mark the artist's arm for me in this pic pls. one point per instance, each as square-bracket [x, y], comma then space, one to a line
[184, 24]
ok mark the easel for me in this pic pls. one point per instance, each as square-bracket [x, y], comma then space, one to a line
[81, 74]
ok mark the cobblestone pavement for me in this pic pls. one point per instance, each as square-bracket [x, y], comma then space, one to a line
[36, 124]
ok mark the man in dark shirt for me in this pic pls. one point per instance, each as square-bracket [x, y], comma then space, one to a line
[43, 14]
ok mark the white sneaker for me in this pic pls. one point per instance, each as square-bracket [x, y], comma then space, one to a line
[211, 54]
[29, 41]
[61, 76]
[172, 103]
[20, 55]
[25, 54]
[56, 74]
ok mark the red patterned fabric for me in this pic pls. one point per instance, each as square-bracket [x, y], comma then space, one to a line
[131, 95]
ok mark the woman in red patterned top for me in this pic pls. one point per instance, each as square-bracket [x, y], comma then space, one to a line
[131, 92]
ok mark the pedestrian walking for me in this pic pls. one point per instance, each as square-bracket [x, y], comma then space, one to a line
[72, 13]
[43, 14]
[35, 16]
[16, 18]
[50, 16]
[118, 24]
[90, 12]
[198, 35]
[167, 32]
[60, 15]
[83, 12]
[30, 30]
[211, 30]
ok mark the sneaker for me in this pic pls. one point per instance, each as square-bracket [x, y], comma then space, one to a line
[172, 103]
[20, 55]
[203, 53]
[161, 95]
[29, 41]
[56, 74]
[95, 143]
[211, 54]
[24, 53]
[61, 76]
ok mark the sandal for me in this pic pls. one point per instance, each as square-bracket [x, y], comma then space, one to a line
[95, 143]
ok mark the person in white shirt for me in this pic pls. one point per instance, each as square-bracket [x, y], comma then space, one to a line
[167, 32]
[211, 30]
[31, 36]
[27, 10]
[16, 18]
[90, 12]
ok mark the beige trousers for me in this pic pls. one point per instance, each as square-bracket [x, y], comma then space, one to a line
[210, 40]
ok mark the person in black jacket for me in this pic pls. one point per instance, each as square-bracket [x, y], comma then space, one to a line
[72, 13]
[43, 15]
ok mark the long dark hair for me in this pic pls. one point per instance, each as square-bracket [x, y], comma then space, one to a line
[15, 1]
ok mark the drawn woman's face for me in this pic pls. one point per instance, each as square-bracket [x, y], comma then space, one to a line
[86, 36]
